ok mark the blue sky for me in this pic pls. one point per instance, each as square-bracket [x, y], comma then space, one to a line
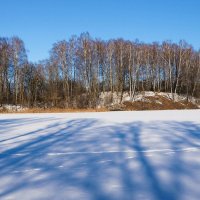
[40, 23]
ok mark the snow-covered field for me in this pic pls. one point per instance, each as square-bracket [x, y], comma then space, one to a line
[114, 155]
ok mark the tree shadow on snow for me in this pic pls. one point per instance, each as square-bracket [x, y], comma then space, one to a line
[85, 159]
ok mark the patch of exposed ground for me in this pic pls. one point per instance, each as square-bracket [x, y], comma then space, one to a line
[158, 102]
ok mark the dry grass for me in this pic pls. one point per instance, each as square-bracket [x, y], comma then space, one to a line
[157, 102]
[55, 110]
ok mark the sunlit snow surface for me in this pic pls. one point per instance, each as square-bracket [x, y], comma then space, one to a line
[115, 155]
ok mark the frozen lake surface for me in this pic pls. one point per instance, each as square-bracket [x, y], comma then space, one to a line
[113, 155]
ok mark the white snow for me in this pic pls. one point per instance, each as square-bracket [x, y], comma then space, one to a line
[111, 155]
[13, 108]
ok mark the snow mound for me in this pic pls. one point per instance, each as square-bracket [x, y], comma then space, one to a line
[108, 98]
[12, 108]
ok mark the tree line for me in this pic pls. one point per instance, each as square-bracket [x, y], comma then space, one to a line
[80, 68]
